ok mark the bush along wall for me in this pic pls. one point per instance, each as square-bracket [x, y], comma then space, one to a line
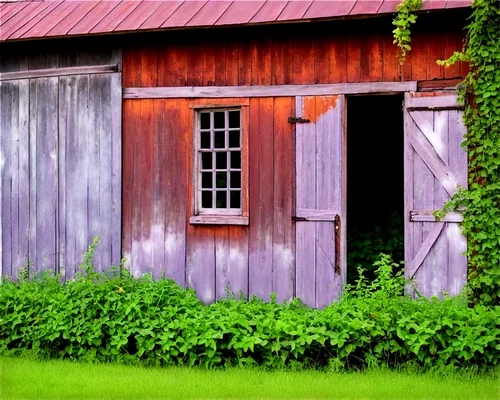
[112, 317]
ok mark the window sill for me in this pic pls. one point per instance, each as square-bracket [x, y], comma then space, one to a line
[218, 220]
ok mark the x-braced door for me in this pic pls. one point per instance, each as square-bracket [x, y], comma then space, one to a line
[435, 164]
[320, 199]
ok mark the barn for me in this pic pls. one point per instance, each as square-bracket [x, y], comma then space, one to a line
[229, 145]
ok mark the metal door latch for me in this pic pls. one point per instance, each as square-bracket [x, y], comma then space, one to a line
[298, 120]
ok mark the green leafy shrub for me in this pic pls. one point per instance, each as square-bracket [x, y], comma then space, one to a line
[113, 317]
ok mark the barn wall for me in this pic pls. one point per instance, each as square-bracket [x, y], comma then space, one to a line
[255, 259]
[329, 52]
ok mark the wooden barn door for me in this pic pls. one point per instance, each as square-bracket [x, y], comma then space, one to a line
[435, 164]
[320, 199]
[60, 164]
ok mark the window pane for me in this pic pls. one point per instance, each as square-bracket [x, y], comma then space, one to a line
[205, 121]
[234, 139]
[205, 140]
[220, 138]
[234, 119]
[236, 159]
[221, 160]
[221, 179]
[206, 180]
[206, 199]
[206, 160]
[235, 199]
[221, 199]
[235, 180]
[219, 121]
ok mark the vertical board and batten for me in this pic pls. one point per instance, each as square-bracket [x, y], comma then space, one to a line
[157, 235]
[435, 164]
[320, 199]
[61, 172]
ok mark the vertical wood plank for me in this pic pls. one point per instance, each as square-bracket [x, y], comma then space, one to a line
[172, 64]
[245, 63]
[220, 64]
[261, 61]
[283, 229]
[418, 56]
[435, 52]
[371, 59]
[338, 59]
[353, 58]
[238, 263]
[135, 260]
[409, 242]
[209, 63]
[303, 61]
[149, 67]
[129, 121]
[391, 68]
[449, 40]
[231, 63]
[222, 283]
[321, 59]
[195, 64]
[261, 197]
[281, 61]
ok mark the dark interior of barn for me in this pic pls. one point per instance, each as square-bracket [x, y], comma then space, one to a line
[375, 181]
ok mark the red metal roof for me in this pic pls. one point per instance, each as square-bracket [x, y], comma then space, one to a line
[56, 18]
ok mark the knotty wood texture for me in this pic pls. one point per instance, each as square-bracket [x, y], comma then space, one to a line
[322, 53]
[254, 259]
[60, 177]
[435, 164]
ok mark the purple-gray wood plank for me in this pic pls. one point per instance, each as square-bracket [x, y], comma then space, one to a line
[59, 185]
[434, 164]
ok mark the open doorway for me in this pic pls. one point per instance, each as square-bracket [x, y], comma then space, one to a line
[375, 181]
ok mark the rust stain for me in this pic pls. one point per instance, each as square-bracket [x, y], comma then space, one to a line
[317, 106]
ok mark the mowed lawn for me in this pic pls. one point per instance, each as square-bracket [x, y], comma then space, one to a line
[26, 379]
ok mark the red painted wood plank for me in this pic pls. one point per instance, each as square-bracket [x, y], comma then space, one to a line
[388, 6]
[303, 61]
[72, 18]
[132, 67]
[52, 19]
[418, 57]
[240, 12]
[434, 53]
[353, 58]
[391, 67]
[322, 59]
[137, 17]
[323, 9]
[161, 14]
[449, 47]
[338, 60]
[371, 59]
[231, 60]
[94, 17]
[115, 17]
[195, 67]
[34, 21]
[245, 63]
[219, 53]
[182, 15]
[269, 11]
[282, 56]
[365, 7]
[210, 13]
[22, 18]
[294, 10]
[172, 64]
[261, 61]
[149, 66]
[209, 63]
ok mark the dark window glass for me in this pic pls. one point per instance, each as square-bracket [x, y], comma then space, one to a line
[221, 180]
[235, 199]
[206, 180]
[206, 160]
[219, 121]
[205, 140]
[234, 139]
[220, 138]
[221, 199]
[206, 199]
[205, 121]
[221, 160]
[236, 159]
[235, 180]
[234, 119]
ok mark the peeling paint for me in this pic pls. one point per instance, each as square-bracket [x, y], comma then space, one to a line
[329, 103]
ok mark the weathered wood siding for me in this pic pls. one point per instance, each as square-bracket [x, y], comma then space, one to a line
[157, 189]
[60, 172]
[435, 164]
[320, 53]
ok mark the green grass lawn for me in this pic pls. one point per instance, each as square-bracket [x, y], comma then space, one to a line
[27, 379]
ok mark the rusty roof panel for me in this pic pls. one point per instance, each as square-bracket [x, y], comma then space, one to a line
[137, 17]
[294, 10]
[72, 18]
[269, 11]
[117, 15]
[325, 9]
[240, 12]
[183, 14]
[81, 17]
[366, 7]
[210, 13]
[164, 12]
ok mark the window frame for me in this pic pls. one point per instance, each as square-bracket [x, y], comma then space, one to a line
[224, 217]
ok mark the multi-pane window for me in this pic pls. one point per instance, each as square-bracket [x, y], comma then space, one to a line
[219, 161]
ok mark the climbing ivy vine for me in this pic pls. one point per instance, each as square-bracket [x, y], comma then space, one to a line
[405, 16]
[481, 93]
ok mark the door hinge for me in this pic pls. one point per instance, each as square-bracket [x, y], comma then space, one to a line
[295, 219]
[298, 120]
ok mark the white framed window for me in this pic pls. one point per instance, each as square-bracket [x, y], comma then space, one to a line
[220, 170]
